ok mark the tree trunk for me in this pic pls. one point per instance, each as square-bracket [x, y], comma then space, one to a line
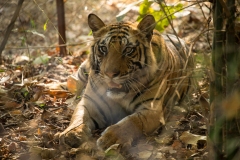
[61, 27]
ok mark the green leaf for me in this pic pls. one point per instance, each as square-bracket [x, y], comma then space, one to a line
[113, 153]
[2, 70]
[159, 15]
[41, 105]
[23, 41]
[43, 59]
[45, 25]
[33, 25]
[145, 7]
[90, 33]
[25, 92]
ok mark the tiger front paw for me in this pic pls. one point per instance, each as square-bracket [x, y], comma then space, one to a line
[115, 135]
[75, 137]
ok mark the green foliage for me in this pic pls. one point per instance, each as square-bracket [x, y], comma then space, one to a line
[43, 59]
[25, 92]
[90, 33]
[33, 24]
[41, 105]
[113, 154]
[23, 41]
[45, 25]
[2, 70]
[159, 15]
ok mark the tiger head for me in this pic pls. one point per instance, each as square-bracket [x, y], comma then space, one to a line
[121, 54]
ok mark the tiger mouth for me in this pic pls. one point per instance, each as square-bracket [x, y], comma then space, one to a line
[117, 88]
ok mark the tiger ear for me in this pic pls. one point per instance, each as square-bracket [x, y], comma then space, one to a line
[146, 25]
[94, 22]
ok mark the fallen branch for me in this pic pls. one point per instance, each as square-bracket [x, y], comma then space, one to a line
[10, 27]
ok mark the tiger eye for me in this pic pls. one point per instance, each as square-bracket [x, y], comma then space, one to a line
[129, 50]
[103, 49]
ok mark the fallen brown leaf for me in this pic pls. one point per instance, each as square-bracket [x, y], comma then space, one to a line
[189, 138]
[58, 93]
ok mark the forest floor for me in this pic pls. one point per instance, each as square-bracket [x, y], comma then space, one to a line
[35, 103]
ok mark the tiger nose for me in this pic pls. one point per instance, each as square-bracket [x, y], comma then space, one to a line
[112, 74]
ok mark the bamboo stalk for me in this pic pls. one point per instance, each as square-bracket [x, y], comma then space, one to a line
[232, 63]
[231, 51]
[217, 86]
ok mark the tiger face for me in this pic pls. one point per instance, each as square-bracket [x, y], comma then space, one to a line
[121, 55]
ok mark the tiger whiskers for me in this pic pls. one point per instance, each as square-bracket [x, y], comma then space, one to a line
[129, 87]
[140, 84]
[95, 81]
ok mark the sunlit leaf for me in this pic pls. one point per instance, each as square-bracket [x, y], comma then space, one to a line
[4, 79]
[189, 138]
[58, 93]
[72, 84]
[41, 104]
[21, 60]
[36, 33]
[90, 33]
[45, 25]
[39, 132]
[43, 59]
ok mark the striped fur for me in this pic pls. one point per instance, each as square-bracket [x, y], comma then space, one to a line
[134, 73]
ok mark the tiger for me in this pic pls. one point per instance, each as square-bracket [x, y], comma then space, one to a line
[132, 75]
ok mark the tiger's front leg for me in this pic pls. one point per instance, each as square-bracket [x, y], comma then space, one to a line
[79, 129]
[90, 114]
[131, 128]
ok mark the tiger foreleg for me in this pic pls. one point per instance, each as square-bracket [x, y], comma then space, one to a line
[76, 136]
[79, 129]
[130, 128]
